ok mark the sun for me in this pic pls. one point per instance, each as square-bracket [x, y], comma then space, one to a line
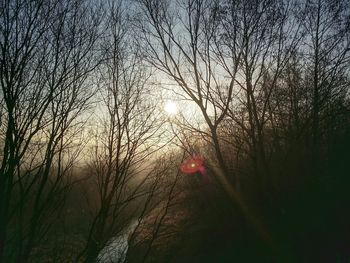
[170, 107]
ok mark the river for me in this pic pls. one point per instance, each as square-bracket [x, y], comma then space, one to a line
[116, 249]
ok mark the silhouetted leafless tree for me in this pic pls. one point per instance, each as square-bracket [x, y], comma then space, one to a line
[127, 134]
[183, 41]
[46, 58]
[326, 48]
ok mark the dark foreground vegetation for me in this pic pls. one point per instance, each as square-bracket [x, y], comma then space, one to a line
[262, 88]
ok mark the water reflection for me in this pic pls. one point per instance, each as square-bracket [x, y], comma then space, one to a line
[116, 249]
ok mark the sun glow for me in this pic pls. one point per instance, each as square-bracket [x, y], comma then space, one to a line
[170, 107]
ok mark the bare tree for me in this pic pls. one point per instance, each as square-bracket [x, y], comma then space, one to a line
[127, 134]
[226, 57]
[46, 49]
[326, 48]
[183, 43]
[267, 37]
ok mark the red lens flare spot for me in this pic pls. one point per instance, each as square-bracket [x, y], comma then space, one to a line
[192, 164]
